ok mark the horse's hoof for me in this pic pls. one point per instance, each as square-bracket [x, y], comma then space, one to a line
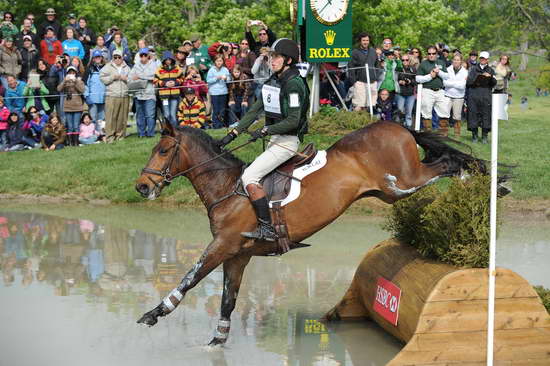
[217, 342]
[148, 319]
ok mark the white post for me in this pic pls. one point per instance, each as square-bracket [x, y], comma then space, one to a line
[418, 104]
[314, 86]
[369, 93]
[493, 235]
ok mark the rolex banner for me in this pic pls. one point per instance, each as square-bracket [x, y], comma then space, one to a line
[328, 30]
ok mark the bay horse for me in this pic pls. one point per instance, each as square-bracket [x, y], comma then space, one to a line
[380, 160]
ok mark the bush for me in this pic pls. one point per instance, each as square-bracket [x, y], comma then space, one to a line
[330, 121]
[543, 80]
[450, 226]
[544, 294]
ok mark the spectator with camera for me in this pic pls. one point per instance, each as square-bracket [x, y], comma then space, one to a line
[266, 37]
[26, 31]
[225, 49]
[50, 22]
[193, 80]
[73, 88]
[7, 28]
[59, 72]
[35, 97]
[50, 47]
[261, 71]
[141, 81]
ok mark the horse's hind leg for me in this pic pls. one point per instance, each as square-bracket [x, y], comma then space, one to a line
[213, 256]
[233, 270]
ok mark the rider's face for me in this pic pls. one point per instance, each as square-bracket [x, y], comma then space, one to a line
[277, 63]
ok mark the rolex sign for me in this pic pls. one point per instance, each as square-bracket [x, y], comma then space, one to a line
[328, 30]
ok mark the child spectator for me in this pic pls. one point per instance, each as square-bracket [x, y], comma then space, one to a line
[35, 123]
[4, 114]
[88, 133]
[239, 91]
[72, 87]
[193, 80]
[169, 78]
[54, 134]
[191, 111]
[17, 136]
[384, 109]
[216, 78]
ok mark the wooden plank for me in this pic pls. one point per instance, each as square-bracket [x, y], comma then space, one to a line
[471, 284]
[471, 315]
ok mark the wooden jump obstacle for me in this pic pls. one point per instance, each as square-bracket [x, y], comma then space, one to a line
[442, 314]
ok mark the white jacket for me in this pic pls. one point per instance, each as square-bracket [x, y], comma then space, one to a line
[455, 85]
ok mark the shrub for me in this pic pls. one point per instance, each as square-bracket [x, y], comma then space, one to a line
[544, 294]
[450, 226]
[543, 80]
[330, 121]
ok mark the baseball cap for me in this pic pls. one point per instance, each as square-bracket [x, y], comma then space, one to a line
[484, 54]
[71, 16]
[144, 51]
[117, 53]
[72, 68]
[188, 90]
[187, 42]
[97, 53]
[27, 38]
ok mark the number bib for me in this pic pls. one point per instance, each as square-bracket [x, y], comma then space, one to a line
[271, 99]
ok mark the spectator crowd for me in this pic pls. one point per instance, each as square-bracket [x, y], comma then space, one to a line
[65, 85]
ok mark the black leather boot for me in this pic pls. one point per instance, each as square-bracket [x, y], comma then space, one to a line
[484, 134]
[264, 230]
[474, 135]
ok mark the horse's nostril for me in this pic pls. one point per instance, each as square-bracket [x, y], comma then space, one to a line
[142, 188]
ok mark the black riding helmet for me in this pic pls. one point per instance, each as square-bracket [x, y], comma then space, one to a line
[286, 47]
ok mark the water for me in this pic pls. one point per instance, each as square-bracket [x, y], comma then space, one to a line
[76, 278]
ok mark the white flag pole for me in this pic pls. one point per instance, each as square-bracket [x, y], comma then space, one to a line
[369, 93]
[493, 232]
[418, 103]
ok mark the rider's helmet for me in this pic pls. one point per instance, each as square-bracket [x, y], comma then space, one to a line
[288, 48]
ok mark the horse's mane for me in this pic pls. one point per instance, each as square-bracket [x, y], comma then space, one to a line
[209, 146]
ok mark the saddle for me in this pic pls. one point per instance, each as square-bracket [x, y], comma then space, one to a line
[277, 186]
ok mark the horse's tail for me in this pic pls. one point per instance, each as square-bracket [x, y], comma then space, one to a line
[436, 149]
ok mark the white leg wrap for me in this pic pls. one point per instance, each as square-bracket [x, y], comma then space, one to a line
[168, 303]
[177, 294]
[224, 323]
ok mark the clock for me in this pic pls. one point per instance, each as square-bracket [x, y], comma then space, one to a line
[329, 12]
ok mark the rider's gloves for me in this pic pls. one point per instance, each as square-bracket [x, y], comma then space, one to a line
[259, 133]
[226, 139]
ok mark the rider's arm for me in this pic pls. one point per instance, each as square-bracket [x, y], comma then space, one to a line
[250, 116]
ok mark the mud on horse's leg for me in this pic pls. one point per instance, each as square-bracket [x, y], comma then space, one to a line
[210, 259]
[233, 270]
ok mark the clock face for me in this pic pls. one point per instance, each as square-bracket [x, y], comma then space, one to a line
[329, 12]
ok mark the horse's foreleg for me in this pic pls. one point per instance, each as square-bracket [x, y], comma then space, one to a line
[233, 270]
[210, 259]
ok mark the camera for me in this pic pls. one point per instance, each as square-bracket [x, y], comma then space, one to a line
[265, 58]
[64, 61]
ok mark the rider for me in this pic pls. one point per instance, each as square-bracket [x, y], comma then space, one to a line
[285, 101]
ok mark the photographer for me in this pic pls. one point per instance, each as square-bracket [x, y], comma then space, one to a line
[73, 88]
[406, 97]
[50, 47]
[266, 37]
[225, 50]
[193, 80]
[59, 72]
[261, 70]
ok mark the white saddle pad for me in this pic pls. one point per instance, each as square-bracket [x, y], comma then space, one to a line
[317, 163]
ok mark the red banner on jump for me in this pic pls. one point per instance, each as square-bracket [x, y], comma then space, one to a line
[386, 300]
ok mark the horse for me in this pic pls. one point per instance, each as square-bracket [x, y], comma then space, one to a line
[379, 160]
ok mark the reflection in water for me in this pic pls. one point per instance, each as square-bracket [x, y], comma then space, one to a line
[87, 283]
[122, 272]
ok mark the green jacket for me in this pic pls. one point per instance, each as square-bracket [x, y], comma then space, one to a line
[28, 92]
[294, 105]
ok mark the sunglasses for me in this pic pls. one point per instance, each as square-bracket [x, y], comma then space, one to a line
[387, 42]
[262, 34]
[404, 59]
[115, 57]
[140, 55]
[432, 53]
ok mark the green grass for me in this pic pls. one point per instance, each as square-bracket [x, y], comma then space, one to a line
[109, 171]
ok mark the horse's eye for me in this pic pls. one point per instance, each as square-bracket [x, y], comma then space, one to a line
[163, 151]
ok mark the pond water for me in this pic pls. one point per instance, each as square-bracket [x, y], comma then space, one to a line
[76, 279]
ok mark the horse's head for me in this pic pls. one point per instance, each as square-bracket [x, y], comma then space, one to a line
[163, 166]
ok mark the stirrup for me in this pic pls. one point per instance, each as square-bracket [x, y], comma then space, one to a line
[264, 231]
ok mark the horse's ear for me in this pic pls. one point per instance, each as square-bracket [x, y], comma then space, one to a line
[167, 128]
